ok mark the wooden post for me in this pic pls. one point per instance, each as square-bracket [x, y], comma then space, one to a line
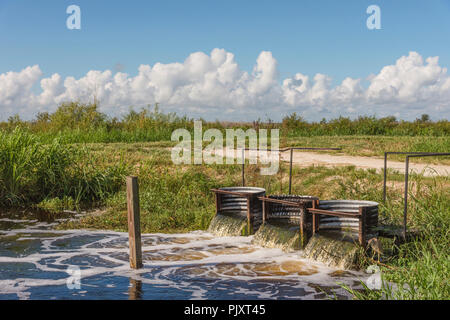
[134, 225]
[135, 290]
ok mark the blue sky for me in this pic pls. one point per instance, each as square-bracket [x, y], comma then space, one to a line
[307, 37]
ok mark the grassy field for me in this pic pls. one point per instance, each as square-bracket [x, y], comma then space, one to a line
[76, 123]
[45, 169]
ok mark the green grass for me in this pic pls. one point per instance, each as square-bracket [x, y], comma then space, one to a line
[32, 172]
[421, 267]
[74, 122]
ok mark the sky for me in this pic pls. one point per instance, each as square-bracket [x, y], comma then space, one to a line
[228, 60]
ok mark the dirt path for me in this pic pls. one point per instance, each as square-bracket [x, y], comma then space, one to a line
[311, 158]
[305, 159]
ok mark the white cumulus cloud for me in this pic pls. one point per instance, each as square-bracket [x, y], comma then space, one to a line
[213, 86]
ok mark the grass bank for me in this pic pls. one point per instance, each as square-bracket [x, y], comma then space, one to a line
[53, 175]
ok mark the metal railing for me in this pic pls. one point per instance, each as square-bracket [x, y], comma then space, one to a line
[408, 155]
[385, 167]
[405, 208]
[291, 149]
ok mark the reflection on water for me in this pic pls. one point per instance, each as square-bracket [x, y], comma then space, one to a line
[34, 262]
[135, 291]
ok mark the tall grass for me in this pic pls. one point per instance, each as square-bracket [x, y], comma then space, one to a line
[171, 200]
[32, 171]
[74, 122]
[421, 268]
[294, 125]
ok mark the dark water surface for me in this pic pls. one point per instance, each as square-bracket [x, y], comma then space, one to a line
[39, 262]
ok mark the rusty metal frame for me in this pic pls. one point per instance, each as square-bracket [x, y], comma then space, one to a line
[385, 166]
[291, 149]
[301, 217]
[361, 216]
[408, 155]
[249, 196]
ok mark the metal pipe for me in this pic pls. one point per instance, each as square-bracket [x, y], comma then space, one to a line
[405, 208]
[414, 155]
[385, 177]
[385, 165]
[313, 148]
[282, 150]
[243, 167]
[290, 171]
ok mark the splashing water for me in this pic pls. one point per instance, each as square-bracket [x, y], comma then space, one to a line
[228, 225]
[37, 262]
[285, 236]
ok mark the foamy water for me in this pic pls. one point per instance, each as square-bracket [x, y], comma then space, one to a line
[34, 262]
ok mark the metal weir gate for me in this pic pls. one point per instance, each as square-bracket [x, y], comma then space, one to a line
[354, 219]
[364, 224]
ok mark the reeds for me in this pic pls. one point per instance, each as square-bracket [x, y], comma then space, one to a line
[32, 171]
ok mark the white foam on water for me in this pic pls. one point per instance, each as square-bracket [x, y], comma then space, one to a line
[17, 220]
[176, 261]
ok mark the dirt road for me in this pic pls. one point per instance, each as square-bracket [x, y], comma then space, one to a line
[311, 158]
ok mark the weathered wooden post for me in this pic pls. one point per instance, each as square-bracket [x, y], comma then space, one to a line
[134, 224]
[303, 211]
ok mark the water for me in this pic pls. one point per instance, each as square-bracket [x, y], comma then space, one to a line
[278, 234]
[229, 225]
[35, 260]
